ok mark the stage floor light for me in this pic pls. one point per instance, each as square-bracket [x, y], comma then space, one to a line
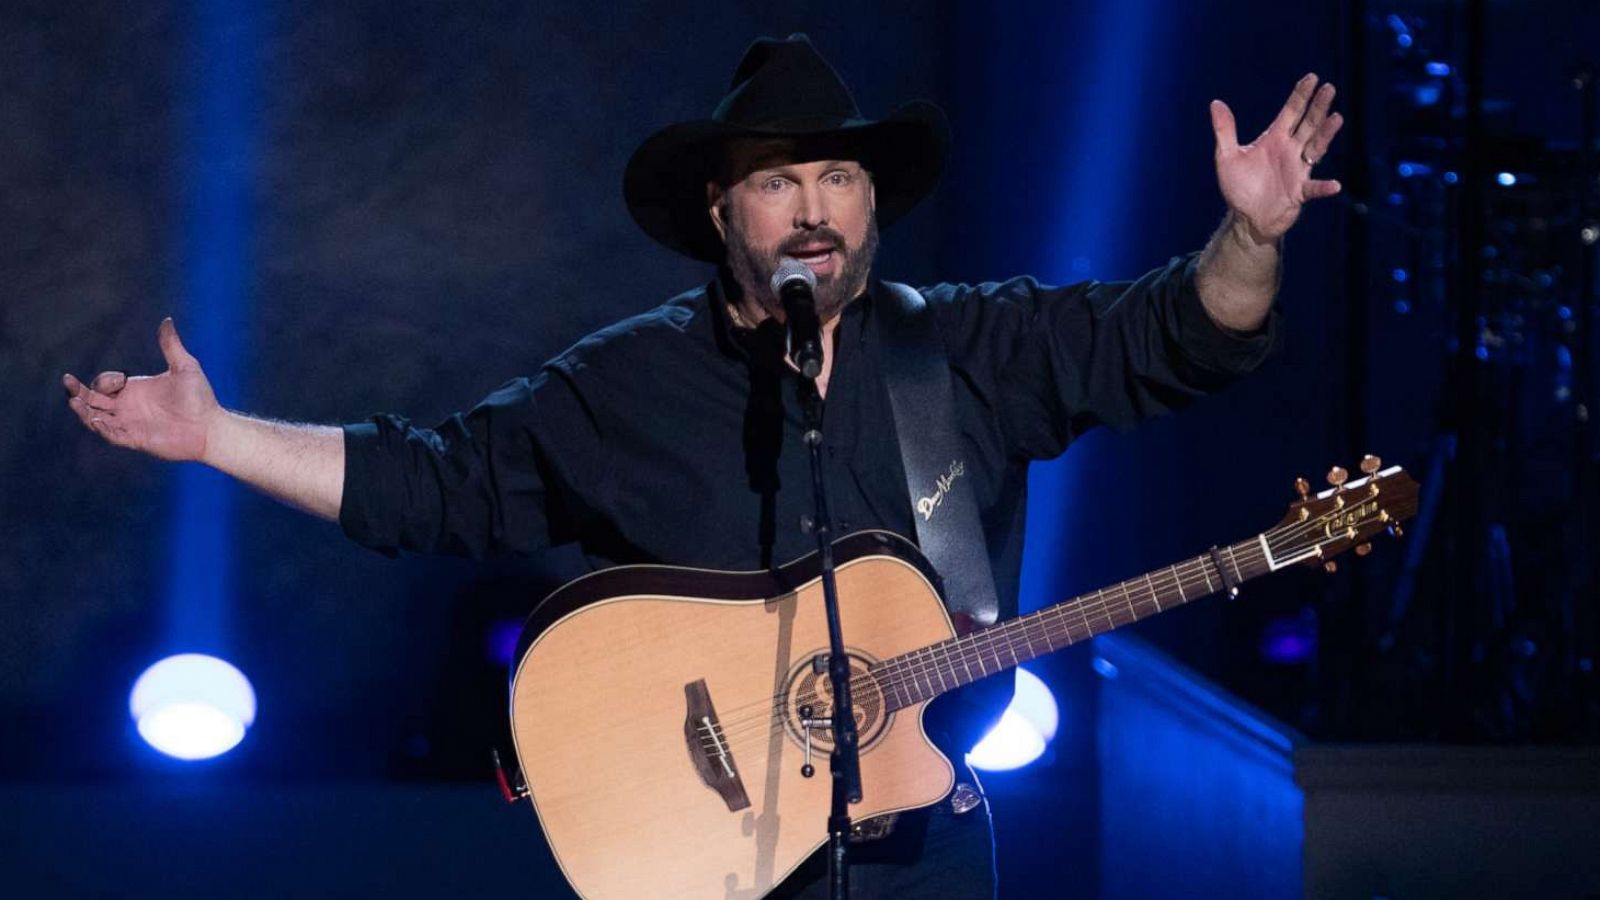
[192, 706]
[1023, 732]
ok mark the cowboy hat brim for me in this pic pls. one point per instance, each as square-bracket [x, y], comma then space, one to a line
[665, 181]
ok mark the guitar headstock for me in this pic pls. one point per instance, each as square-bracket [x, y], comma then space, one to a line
[1347, 515]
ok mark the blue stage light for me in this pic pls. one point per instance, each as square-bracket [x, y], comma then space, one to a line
[1023, 732]
[192, 706]
[500, 644]
[1290, 639]
[1438, 69]
[1506, 179]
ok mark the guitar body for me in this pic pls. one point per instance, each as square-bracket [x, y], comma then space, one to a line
[656, 717]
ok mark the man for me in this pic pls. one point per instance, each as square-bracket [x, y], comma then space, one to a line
[675, 436]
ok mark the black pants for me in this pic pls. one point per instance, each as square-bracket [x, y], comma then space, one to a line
[932, 853]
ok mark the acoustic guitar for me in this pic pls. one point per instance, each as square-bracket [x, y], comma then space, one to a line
[670, 723]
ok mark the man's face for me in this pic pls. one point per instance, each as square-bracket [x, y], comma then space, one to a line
[819, 212]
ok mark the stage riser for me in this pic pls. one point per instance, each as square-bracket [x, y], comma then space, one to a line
[1202, 795]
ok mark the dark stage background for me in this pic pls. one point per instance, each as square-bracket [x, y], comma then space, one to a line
[364, 207]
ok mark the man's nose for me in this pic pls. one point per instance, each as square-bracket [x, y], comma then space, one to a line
[813, 209]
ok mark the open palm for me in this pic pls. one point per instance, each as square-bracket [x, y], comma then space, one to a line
[166, 415]
[1267, 181]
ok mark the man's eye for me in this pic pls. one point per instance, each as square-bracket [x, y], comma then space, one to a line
[839, 179]
[774, 184]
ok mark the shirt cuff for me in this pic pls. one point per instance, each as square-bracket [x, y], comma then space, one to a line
[1215, 347]
[359, 516]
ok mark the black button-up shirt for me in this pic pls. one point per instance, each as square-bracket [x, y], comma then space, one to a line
[674, 437]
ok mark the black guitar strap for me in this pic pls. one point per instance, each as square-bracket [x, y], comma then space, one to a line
[949, 528]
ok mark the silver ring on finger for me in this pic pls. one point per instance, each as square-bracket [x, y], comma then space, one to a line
[1307, 158]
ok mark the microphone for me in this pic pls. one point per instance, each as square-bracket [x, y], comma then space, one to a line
[794, 283]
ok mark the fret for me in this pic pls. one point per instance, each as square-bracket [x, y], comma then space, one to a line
[1152, 586]
[1127, 598]
[999, 664]
[968, 668]
[1065, 629]
[1077, 606]
[1051, 633]
[937, 662]
[1178, 577]
[1068, 627]
[1027, 639]
[1207, 573]
[922, 672]
[1105, 610]
[1238, 576]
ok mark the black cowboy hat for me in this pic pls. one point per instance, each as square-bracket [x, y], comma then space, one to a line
[781, 89]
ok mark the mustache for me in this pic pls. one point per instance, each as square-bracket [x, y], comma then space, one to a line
[819, 236]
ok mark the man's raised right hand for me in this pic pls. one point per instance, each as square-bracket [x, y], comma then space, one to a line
[168, 415]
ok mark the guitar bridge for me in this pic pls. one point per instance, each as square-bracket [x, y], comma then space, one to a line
[709, 751]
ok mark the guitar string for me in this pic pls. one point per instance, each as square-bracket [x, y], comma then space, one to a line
[936, 658]
[932, 661]
[929, 662]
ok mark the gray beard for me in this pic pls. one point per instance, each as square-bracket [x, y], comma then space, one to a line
[752, 269]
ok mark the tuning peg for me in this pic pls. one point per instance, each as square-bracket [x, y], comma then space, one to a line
[1363, 549]
[1330, 567]
[1395, 530]
[1371, 464]
[1337, 476]
[1302, 487]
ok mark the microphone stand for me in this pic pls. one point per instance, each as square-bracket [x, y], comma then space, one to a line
[844, 762]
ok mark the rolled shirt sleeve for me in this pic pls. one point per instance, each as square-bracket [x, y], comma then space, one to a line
[485, 483]
[1052, 362]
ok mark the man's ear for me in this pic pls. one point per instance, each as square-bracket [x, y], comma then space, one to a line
[714, 195]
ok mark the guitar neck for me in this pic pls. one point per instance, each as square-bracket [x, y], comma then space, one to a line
[924, 674]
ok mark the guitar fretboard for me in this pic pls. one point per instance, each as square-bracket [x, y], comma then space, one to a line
[924, 674]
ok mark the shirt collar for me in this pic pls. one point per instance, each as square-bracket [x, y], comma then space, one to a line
[732, 340]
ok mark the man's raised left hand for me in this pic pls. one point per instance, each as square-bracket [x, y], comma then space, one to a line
[1267, 181]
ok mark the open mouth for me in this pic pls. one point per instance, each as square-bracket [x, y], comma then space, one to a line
[819, 259]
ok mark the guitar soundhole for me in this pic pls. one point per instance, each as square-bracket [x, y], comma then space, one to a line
[807, 687]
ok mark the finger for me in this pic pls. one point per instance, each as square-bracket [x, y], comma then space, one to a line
[1295, 107]
[87, 415]
[1321, 101]
[97, 400]
[172, 348]
[104, 427]
[109, 382]
[1223, 125]
[71, 383]
[1317, 189]
[102, 423]
[1317, 147]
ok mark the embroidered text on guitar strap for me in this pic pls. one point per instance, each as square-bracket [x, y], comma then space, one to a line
[949, 529]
